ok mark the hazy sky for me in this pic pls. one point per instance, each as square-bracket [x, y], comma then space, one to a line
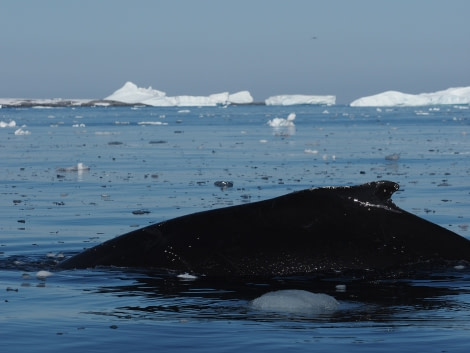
[90, 48]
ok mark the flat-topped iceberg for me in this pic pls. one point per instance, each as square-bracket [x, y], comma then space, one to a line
[242, 97]
[459, 95]
[131, 94]
[297, 99]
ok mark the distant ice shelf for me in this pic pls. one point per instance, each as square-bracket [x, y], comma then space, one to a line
[131, 94]
[459, 95]
[297, 99]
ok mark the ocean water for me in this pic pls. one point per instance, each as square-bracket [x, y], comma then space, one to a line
[71, 178]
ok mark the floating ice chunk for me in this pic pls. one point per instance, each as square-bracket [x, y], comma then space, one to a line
[151, 123]
[308, 150]
[280, 122]
[10, 124]
[223, 185]
[80, 167]
[393, 157]
[186, 276]
[43, 274]
[295, 301]
[20, 131]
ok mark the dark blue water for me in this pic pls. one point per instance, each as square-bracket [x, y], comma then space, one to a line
[150, 164]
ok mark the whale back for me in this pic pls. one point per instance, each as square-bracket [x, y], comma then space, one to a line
[308, 231]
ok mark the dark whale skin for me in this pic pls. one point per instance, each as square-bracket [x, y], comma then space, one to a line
[304, 232]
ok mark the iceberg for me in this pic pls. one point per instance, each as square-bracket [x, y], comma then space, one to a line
[296, 99]
[130, 93]
[242, 97]
[458, 95]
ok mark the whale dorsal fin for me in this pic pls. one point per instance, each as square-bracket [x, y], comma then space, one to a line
[384, 189]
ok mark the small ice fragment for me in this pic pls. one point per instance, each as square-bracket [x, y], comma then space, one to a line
[186, 276]
[340, 288]
[308, 150]
[223, 184]
[291, 117]
[43, 274]
[20, 132]
[393, 157]
[151, 123]
[80, 167]
[280, 122]
[140, 212]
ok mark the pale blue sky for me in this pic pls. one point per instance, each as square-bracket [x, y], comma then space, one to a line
[90, 48]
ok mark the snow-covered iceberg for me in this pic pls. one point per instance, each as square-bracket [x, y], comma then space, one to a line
[132, 94]
[459, 95]
[296, 99]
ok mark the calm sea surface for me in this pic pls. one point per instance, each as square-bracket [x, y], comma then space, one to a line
[74, 177]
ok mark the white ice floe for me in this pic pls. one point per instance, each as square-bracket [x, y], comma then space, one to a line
[281, 122]
[393, 157]
[459, 95]
[3, 124]
[297, 99]
[151, 123]
[309, 150]
[130, 93]
[21, 131]
[295, 301]
[43, 274]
